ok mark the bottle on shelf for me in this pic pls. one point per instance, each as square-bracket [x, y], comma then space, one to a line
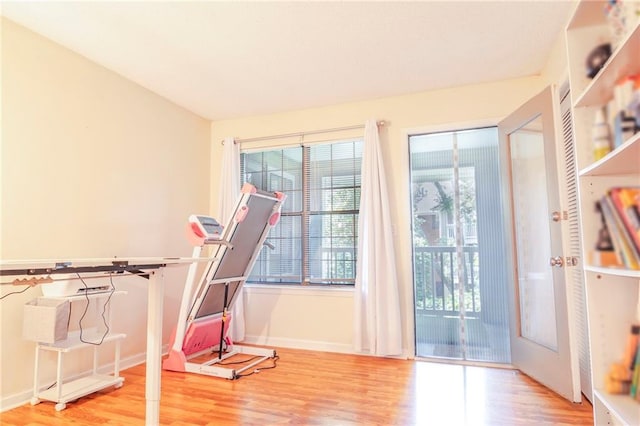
[601, 136]
[625, 125]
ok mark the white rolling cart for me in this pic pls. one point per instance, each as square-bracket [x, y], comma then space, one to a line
[91, 338]
[41, 271]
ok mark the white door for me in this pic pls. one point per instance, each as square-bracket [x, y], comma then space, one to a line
[540, 338]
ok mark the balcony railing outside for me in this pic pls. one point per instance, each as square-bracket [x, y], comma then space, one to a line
[436, 281]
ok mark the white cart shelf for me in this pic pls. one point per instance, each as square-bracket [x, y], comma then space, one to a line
[63, 392]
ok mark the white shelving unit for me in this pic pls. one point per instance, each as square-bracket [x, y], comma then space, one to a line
[63, 392]
[612, 293]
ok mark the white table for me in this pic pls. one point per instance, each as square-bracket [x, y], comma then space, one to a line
[151, 267]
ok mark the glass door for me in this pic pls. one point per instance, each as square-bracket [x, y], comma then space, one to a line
[460, 276]
[540, 340]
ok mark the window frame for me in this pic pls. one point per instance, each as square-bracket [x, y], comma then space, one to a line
[305, 214]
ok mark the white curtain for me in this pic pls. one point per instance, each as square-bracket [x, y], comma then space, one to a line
[377, 328]
[227, 198]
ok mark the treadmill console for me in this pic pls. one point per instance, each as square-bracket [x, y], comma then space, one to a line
[205, 227]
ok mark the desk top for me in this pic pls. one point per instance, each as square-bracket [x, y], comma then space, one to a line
[107, 264]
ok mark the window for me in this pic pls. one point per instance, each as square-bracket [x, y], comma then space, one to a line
[316, 239]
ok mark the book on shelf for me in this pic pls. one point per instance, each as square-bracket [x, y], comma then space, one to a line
[631, 349]
[619, 219]
[623, 378]
[634, 391]
[604, 258]
[627, 203]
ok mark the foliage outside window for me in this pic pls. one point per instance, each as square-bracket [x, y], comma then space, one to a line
[435, 265]
[316, 239]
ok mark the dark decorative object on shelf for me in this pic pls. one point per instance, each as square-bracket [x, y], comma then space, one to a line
[597, 58]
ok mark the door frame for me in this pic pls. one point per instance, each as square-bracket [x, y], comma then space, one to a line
[407, 132]
[555, 370]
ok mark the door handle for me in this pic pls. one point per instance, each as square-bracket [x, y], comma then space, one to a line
[558, 216]
[557, 261]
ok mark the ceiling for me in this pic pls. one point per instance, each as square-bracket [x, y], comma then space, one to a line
[232, 59]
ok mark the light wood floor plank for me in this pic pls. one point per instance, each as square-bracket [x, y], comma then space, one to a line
[317, 388]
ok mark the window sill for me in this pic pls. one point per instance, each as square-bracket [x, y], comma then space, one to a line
[300, 290]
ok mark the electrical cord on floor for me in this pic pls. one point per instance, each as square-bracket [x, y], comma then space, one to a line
[104, 310]
[257, 370]
[225, 346]
[239, 362]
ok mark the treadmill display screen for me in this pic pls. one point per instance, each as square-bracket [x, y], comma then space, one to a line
[210, 225]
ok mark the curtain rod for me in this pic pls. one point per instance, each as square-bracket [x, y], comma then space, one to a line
[300, 134]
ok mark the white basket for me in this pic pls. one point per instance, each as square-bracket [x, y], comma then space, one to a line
[46, 320]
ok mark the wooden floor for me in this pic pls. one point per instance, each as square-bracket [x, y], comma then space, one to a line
[317, 388]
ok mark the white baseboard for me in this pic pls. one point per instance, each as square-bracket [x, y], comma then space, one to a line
[311, 345]
[22, 398]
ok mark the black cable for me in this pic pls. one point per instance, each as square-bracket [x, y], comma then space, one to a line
[257, 370]
[239, 362]
[69, 318]
[275, 359]
[104, 309]
[16, 292]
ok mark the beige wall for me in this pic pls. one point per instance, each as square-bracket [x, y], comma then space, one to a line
[93, 165]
